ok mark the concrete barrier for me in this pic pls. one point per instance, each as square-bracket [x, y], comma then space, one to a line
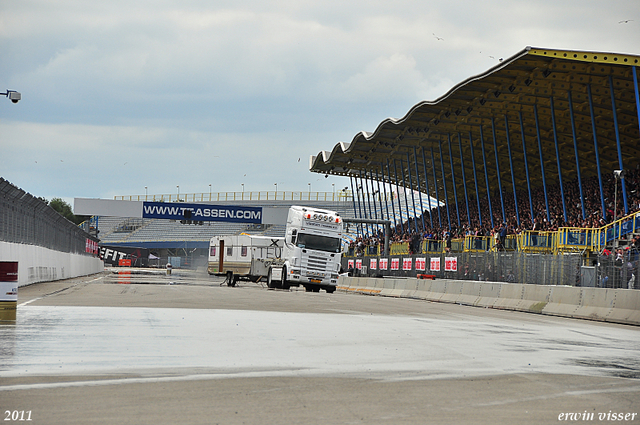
[452, 292]
[563, 301]
[595, 303]
[470, 292]
[611, 305]
[510, 296]
[626, 307]
[437, 290]
[534, 298]
[344, 283]
[38, 264]
[423, 287]
[410, 288]
[388, 287]
[489, 294]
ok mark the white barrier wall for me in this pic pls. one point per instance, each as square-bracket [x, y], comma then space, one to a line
[609, 305]
[38, 264]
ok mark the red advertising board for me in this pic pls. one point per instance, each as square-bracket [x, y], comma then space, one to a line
[8, 271]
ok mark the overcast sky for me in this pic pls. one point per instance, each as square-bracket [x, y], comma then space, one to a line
[119, 95]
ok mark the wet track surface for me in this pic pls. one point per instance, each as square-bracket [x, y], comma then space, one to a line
[146, 328]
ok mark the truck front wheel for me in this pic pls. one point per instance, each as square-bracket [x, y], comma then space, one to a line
[330, 289]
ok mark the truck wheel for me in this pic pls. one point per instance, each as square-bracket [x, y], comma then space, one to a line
[229, 278]
[283, 282]
[330, 289]
[307, 288]
[270, 282]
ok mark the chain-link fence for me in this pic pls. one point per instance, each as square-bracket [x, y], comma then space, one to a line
[28, 220]
[618, 269]
[514, 267]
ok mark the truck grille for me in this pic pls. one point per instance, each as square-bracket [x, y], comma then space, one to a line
[315, 263]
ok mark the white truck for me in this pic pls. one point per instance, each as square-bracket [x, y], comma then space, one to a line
[309, 254]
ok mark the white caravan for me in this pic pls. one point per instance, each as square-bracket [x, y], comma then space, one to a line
[309, 254]
[243, 256]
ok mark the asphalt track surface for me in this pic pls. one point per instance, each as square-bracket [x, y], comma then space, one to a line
[147, 348]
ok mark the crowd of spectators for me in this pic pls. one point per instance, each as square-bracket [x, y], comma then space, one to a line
[440, 226]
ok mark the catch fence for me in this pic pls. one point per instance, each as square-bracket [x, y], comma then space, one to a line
[25, 219]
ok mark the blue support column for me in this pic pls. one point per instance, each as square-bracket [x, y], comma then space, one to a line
[464, 179]
[413, 198]
[375, 208]
[637, 91]
[453, 178]
[406, 200]
[435, 184]
[575, 147]
[526, 166]
[475, 177]
[384, 191]
[544, 179]
[617, 129]
[555, 138]
[495, 150]
[444, 185]
[369, 196]
[486, 176]
[355, 212]
[415, 158]
[373, 201]
[393, 207]
[364, 203]
[426, 182]
[395, 169]
[513, 178]
[595, 147]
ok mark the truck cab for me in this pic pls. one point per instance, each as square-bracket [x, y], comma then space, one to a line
[312, 249]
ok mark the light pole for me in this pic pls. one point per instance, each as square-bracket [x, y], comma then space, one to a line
[145, 193]
[209, 192]
[178, 193]
[13, 95]
[617, 174]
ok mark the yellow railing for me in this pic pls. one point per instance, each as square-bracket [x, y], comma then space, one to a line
[621, 227]
[339, 196]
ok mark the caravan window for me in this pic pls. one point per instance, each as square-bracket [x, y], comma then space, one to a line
[212, 253]
[243, 251]
[230, 250]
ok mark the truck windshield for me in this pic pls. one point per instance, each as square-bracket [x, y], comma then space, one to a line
[320, 243]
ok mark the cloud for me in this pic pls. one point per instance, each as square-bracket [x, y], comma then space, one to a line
[193, 93]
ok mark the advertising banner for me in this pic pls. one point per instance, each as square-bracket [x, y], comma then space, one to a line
[373, 264]
[395, 264]
[202, 212]
[451, 264]
[435, 264]
[407, 263]
[421, 263]
[384, 262]
[8, 281]
[112, 255]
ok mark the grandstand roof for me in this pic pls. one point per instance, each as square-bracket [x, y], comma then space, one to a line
[519, 92]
